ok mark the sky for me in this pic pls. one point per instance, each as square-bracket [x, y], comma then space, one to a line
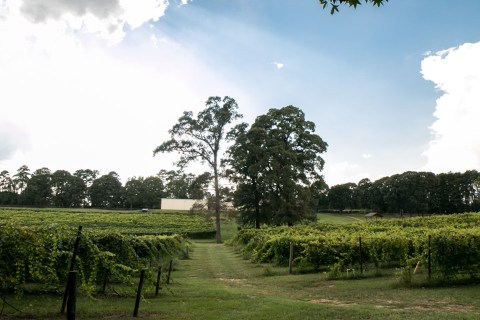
[97, 84]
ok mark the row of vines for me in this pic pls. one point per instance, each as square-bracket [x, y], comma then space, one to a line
[37, 258]
[450, 244]
[124, 222]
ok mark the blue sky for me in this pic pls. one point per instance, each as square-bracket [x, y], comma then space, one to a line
[100, 87]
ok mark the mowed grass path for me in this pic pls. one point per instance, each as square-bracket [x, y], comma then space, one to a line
[217, 283]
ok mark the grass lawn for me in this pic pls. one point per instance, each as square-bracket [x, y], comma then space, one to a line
[216, 283]
[340, 218]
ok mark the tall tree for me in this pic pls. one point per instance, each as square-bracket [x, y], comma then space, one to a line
[341, 196]
[274, 163]
[6, 183]
[21, 178]
[8, 196]
[106, 191]
[200, 138]
[133, 191]
[88, 176]
[39, 189]
[67, 190]
[152, 192]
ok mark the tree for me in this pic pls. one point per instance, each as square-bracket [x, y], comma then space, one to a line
[67, 190]
[152, 192]
[274, 164]
[7, 189]
[133, 192]
[341, 196]
[6, 183]
[88, 176]
[21, 178]
[39, 190]
[334, 4]
[199, 185]
[106, 191]
[200, 138]
[177, 183]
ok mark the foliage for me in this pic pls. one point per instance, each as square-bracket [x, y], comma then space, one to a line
[454, 244]
[274, 162]
[181, 185]
[199, 139]
[411, 192]
[41, 255]
[334, 4]
[193, 225]
[106, 191]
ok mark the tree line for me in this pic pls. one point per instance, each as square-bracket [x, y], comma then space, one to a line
[87, 188]
[275, 165]
[409, 192]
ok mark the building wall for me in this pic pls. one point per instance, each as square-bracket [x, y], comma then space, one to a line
[179, 204]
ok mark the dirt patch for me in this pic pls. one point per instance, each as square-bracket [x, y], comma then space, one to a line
[334, 302]
[232, 280]
[428, 306]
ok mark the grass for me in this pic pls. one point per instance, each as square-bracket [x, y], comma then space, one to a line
[216, 283]
[338, 218]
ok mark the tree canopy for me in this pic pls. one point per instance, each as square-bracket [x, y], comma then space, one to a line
[199, 139]
[274, 163]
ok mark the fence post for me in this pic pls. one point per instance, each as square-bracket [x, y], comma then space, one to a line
[169, 272]
[290, 259]
[429, 257]
[72, 295]
[105, 281]
[72, 265]
[139, 293]
[159, 281]
[360, 252]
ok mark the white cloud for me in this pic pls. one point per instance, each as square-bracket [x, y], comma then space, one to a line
[343, 172]
[455, 144]
[279, 65]
[69, 101]
[367, 155]
[107, 18]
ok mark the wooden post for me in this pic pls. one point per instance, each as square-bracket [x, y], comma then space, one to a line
[429, 257]
[169, 272]
[159, 281]
[360, 254]
[105, 280]
[290, 259]
[139, 293]
[72, 265]
[72, 295]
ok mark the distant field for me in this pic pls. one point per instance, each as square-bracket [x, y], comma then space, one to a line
[125, 222]
[339, 218]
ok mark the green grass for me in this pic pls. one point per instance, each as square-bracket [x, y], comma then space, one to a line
[216, 283]
[340, 218]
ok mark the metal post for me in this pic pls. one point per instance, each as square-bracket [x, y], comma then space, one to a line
[72, 295]
[72, 265]
[139, 293]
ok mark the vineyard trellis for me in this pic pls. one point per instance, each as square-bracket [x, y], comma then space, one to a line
[448, 246]
[38, 257]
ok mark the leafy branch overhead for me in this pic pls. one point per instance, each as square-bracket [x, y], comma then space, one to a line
[334, 4]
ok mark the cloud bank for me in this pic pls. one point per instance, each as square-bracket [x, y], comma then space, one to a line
[455, 144]
[108, 18]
